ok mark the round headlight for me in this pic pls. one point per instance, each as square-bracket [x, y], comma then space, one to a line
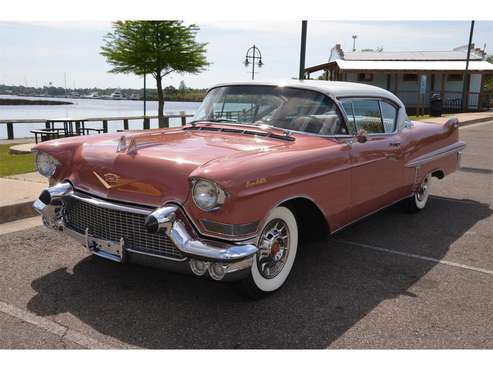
[207, 195]
[46, 164]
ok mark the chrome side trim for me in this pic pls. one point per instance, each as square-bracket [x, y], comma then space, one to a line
[436, 154]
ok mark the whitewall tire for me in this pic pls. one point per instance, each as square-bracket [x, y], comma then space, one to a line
[419, 199]
[278, 244]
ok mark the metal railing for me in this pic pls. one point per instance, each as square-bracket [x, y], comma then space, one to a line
[452, 100]
[78, 122]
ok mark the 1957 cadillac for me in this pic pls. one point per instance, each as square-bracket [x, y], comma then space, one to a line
[229, 195]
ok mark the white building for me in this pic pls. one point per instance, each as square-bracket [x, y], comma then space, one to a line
[414, 76]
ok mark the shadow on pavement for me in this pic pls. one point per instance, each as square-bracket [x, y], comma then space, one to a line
[331, 288]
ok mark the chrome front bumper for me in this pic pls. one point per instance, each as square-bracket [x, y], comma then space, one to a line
[217, 258]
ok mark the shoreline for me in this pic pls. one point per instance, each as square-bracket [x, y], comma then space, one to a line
[17, 101]
[149, 99]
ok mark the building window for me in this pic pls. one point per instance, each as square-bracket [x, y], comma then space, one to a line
[454, 77]
[410, 77]
[365, 77]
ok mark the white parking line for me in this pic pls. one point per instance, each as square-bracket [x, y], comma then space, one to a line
[412, 255]
[52, 327]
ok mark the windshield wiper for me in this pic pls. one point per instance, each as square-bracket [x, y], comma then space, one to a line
[213, 120]
[268, 131]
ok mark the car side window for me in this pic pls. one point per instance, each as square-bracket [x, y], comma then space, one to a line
[389, 115]
[367, 116]
[347, 105]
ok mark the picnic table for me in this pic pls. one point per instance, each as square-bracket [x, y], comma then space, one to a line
[71, 127]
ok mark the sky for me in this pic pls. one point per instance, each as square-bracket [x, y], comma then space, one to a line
[35, 54]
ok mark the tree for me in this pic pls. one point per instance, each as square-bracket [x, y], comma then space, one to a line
[182, 87]
[154, 47]
[170, 90]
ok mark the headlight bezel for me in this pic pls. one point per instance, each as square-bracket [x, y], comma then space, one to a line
[51, 161]
[220, 195]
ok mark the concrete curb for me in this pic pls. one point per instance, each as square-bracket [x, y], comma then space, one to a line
[473, 121]
[21, 149]
[13, 212]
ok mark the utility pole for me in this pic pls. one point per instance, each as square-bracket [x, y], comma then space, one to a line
[354, 42]
[301, 74]
[465, 95]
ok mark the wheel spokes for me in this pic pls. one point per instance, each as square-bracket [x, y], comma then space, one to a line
[274, 248]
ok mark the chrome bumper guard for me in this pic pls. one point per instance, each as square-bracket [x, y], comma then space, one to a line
[218, 258]
[164, 220]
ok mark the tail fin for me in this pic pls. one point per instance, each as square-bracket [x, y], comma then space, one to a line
[452, 123]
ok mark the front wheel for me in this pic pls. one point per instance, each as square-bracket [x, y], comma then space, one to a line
[277, 246]
[419, 199]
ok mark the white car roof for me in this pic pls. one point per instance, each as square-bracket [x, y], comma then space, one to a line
[335, 89]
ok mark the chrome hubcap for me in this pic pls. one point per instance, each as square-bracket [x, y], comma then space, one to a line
[273, 248]
[423, 189]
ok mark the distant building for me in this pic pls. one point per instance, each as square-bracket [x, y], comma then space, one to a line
[414, 76]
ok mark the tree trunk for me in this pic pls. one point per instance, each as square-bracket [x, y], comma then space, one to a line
[160, 97]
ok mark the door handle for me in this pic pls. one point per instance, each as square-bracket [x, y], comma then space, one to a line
[395, 144]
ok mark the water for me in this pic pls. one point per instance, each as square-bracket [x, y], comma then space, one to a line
[87, 108]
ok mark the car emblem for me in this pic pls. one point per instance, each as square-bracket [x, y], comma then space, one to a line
[110, 180]
[256, 182]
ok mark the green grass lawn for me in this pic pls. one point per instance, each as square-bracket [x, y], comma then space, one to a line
[417, 118]
[425, 116]
[15, 164]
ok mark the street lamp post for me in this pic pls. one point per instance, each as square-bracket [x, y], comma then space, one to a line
[252, 55]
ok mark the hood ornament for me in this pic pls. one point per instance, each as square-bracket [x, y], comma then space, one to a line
[122, 144]
[132, 147]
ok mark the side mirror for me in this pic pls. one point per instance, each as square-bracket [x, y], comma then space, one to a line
[362, 136]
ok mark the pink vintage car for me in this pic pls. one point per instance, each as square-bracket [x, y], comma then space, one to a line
[230, 194]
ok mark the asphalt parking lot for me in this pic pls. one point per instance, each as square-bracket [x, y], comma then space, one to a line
[393, 280]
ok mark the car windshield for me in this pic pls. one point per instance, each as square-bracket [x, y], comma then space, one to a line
[283, 107]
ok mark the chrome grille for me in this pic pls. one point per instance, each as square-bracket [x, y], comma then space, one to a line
[109, 224]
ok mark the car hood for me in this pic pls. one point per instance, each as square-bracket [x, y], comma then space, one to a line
[156, 166]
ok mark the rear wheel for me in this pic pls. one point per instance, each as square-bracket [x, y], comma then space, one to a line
[419, 199]
[277, 244]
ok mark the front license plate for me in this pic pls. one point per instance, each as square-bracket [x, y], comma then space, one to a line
[105, 248]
